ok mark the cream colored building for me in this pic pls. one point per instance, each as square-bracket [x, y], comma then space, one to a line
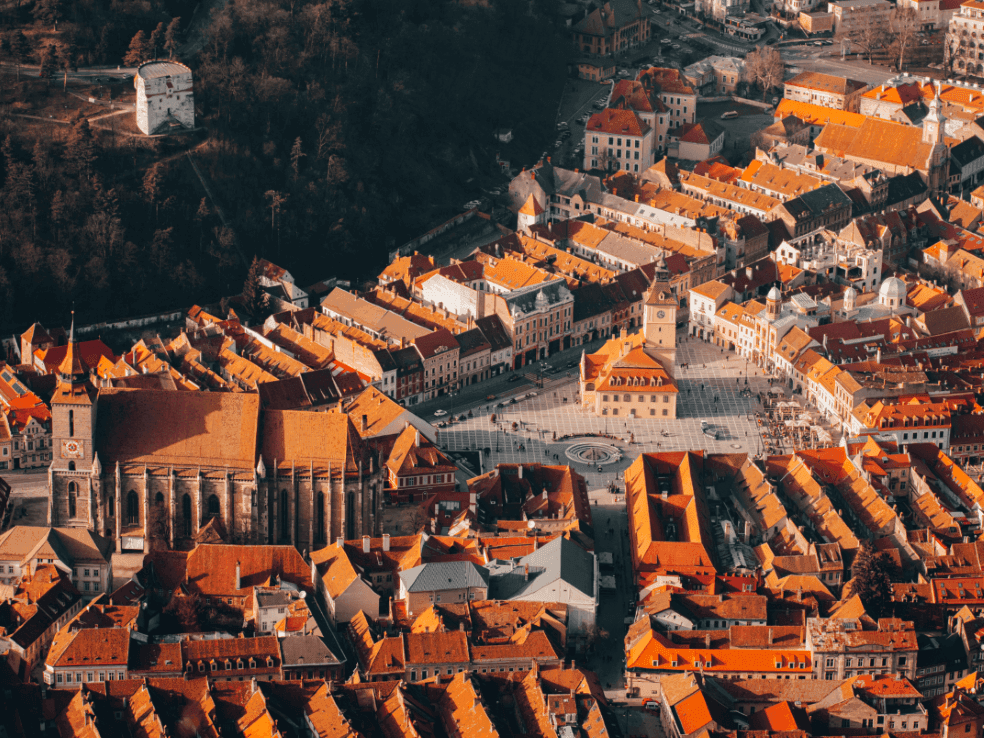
[631, 376]
[165, 97]
[968, 27]
[853, 14]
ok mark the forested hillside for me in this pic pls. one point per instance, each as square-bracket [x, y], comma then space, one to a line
[331, 131]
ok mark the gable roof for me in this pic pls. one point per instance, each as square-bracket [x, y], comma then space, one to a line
[178, 428]
[616, 121]
[324, 440]
[442, 575]
[560, 559]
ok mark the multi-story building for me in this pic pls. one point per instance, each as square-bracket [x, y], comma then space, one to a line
[618, 140]
[968, 26]
[850, 15]
[741, 652]
[911, 422]
[419, 473]
[933, 14]
[716, 75]
[843, 650]
[839, 93]
[633, 376]
[825, 208]
[614, 28]
[41, 602]
[409, 382]
[705, 301]
[444, 582]
[439, 351]
[676, 94]
[540, 319]
[84, 554]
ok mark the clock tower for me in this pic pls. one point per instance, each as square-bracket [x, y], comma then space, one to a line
[73, 414]
[660, 325]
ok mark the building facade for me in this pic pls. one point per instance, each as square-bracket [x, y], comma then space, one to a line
[165, 96]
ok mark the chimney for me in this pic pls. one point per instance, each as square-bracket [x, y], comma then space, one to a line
[707, 640]
[365, 423]
[238, 577]
[386, 541]
[339, 541]
[526, 572]
[365, 544]
[770, 636]
[520, 471]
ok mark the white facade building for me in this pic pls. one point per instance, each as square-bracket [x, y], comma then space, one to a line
[165, 96]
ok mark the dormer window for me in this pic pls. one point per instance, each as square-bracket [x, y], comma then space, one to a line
[201, 666]
[228, 665]
[269, 662]
[239, 663]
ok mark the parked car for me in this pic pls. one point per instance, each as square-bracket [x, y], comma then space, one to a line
[489, 398]
[531, 394]
[675, 47]
[440, 413]
[503, 403]
[514, 378]
[472, 204]
[729, 115]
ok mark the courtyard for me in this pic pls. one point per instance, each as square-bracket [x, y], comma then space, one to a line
[540, 428]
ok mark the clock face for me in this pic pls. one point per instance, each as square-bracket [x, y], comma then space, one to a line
[72, 450]
[661, 314]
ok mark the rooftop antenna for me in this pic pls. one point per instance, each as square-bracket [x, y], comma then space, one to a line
[71, 330]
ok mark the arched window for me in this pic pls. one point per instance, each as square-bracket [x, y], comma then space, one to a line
[71, 423]
[73, 490]
[159, 498]
[284, 522]
[132, 508]
[271, 508]
[319, 514]
[186, 514]
[213, 505]
[71, 466]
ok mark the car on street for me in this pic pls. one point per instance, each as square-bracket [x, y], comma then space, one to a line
[503, 403]
[440, 413]
[489, 398]
[472, 204]
[531, 394]
[558, 144]
[513, 401]
[729, 115]
[675, 47]
[514, 378]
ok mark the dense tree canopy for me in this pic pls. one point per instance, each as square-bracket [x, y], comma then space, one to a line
[333, 130]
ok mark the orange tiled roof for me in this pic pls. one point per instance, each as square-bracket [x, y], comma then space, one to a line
[614, 121]
[817, 115]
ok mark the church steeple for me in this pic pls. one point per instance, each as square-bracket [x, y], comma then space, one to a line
[934, 124]
[70, 370]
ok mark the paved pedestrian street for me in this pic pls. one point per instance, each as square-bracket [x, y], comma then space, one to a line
[710, 384]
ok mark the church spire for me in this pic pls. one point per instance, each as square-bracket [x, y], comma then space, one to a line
[71, 366]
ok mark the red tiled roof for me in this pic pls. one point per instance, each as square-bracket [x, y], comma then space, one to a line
[614, 121]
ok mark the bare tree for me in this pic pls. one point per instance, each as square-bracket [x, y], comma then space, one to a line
[765, 67]
[951, 51]
[905, 25]
[868, 37]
